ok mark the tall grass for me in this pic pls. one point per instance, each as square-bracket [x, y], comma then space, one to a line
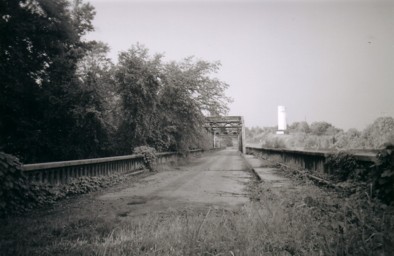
[300, 220]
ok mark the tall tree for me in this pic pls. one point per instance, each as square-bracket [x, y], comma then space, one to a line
[99, 114]
[163, 104]
[190, 92]
[196, 79]
[40, 45]
[138, 80]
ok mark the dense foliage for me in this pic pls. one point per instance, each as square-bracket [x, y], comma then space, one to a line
[17, 194]
[378, 178]
[383, 177]
[62, 98]
[341, 165]
[149, 154]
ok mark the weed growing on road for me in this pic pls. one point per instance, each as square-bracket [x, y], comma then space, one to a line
[299, 220]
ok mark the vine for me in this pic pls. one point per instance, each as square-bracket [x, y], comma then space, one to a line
[17, 194]
[149, 154]
[378, 177]
[383, 178]
[342, 165]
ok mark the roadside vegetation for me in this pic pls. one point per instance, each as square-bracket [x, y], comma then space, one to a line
[62, 98]
[301, 220]
[18, 195]
[324, 136]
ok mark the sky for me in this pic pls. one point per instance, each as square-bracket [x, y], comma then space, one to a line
[323, 60]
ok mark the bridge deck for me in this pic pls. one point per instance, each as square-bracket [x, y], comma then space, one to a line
[217, 179]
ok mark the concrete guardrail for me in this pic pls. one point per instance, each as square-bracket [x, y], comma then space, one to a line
[307, 160]
[62, 172]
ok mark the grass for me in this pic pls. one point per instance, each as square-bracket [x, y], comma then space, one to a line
[304, 220]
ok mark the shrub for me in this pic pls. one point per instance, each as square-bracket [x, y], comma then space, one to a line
[274, 141]
[383, 177]
[149, 154]
[17, 195]
[379, 176]
[311, 142]
[342, 165]
[86, 184]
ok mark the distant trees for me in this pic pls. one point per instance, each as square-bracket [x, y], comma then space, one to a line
[374, 136]
[323, 135]
[62, 98]
[299, 127]
[348, 139]
[381, 131]
[323, 128]
[227, 141]
[257, 134]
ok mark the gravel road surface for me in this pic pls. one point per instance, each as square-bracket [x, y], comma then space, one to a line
[216, 179]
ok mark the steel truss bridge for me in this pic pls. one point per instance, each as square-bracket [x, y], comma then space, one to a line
[232, 126]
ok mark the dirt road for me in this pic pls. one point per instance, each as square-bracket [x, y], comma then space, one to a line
[216, 179]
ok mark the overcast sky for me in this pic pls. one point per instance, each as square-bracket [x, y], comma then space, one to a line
[324, 60]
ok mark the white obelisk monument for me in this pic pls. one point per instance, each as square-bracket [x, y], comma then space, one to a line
[282, 125]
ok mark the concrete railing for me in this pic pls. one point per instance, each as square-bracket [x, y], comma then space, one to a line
[63, 172]
[307, 160]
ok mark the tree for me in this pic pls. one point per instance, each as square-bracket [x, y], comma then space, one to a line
[163, 104]
[82, 15]
[299, 127]
[137, 76]
[189, 92]
[95, 73]
[207, 93]
[322, 128]
[378, 133]
[62, 98]
[40, 45]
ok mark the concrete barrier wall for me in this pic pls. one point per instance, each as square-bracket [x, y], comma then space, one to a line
[63, 172]
[307, 160]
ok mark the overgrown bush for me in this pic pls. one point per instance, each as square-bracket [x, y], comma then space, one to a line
[149, 154]
[311, 142]
[274, 142]
[379, 177]
[17, 195]
[83, 185]
[383, 177]
[342, 165]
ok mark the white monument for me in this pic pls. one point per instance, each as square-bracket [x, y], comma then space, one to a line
[282, 125]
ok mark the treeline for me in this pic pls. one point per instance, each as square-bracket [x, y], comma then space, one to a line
[62, 98]
[323, 135]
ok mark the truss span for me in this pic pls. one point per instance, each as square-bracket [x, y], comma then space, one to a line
[227, 126]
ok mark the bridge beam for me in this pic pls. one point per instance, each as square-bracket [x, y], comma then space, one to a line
[226, 125]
